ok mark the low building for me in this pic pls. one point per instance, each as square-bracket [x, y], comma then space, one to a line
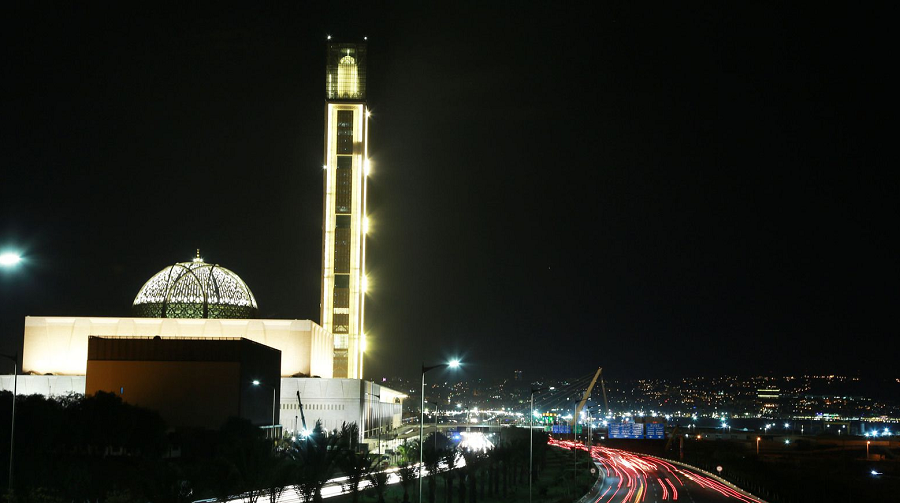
[191, 382]
[334, 401]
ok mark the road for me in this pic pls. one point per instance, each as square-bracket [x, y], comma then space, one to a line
[639, 478]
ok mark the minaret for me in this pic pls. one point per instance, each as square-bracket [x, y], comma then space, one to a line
[344, 224]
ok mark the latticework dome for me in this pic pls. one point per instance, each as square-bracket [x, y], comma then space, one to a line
[195, 290]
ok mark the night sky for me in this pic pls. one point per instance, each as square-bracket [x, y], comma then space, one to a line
[659, 192]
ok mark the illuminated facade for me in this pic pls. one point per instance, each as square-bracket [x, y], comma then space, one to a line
[58, 345]
[345, 224]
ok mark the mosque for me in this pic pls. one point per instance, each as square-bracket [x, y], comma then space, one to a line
[320, 364]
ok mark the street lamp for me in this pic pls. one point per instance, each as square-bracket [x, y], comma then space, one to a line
[757, 445]
[867, 448]
[12, 428]
[9, 259]
[452, 364]
[257, 383]
[531, 440]
[435, 424]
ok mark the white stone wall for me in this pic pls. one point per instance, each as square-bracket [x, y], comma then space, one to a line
[43, 385]
[335, 401]
[58, 345]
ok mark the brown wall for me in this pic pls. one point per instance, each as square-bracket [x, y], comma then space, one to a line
[185, 393]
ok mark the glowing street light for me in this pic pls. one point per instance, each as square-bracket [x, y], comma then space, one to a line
[757, 445]
[256, 382]
[10, 259]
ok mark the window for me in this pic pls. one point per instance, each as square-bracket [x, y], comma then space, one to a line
[343, 184]
[345, 132]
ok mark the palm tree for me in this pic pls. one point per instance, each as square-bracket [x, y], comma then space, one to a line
[278, 479]
[409, 451]
[378, 478]
[319, 455]
[407, 476]
[432, 460]
[449, 458]
[474, 466]
[357, 467]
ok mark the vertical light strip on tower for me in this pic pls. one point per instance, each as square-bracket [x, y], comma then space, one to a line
[343, 246]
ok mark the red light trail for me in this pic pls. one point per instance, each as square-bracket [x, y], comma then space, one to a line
[629, 477]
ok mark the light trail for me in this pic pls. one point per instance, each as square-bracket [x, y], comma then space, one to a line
[629, 477]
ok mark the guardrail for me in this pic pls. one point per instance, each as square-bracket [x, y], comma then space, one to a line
[716, 477]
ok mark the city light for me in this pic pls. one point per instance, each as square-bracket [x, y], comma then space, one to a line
[453, 364]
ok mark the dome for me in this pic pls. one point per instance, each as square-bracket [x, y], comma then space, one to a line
[195, 290]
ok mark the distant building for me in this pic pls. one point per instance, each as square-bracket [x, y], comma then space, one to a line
[344, 226]
[191, 382]
[768, 400]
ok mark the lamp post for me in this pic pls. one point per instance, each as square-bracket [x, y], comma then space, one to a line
[589, 441]
[12, 428]
[531, 440]
[9, 260]
[257, 383]
[435, 424]
[452, 364]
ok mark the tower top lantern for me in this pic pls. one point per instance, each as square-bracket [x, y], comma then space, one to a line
[345, 71]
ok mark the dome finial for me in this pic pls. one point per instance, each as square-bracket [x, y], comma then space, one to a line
[198, 258]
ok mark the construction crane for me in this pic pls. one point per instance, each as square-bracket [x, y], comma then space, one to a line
[584, 398]
[587, 393]
[603, 387]
[302, 417]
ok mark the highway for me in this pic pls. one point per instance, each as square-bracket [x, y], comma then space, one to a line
[639, 478]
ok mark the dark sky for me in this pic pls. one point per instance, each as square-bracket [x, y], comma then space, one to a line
[658, 192]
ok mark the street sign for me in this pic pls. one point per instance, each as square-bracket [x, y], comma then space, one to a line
[656, 430]
[626, 430]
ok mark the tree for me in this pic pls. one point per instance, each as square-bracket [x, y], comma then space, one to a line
[408, 451]
[357, 466]
[278, 479]
[474, 466]
[318, 455]
[449, 458]
[431, 459]
[407, 476]
[378, 478]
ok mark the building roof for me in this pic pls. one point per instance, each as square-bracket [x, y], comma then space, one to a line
[195, 289]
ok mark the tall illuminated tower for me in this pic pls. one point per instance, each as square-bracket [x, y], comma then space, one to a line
[344, 224]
